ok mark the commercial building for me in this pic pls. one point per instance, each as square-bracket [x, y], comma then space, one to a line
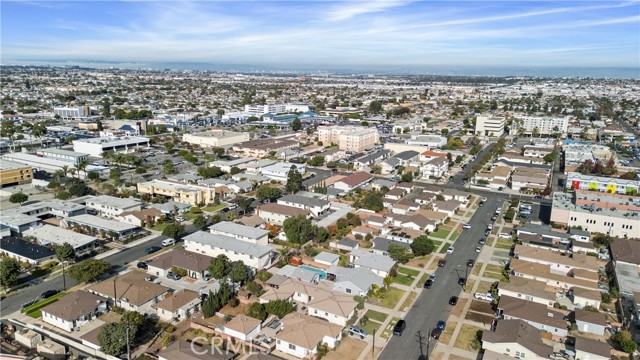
[577, 153]
[350, 138]
[489, 125]
[578, 181]
[12, 173]
[544, 125]
[51, 165]
[613, 214]
[280, 171]
[63, 155]
[260, 148]
[71, 113]
[215, 138]
[98, 146]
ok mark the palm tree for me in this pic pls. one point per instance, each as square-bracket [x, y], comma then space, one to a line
[58, 174]
[65, 170]
[81, 166]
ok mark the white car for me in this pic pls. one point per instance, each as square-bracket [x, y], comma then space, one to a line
[478, 248]
[466, 226]
[168, 242]
[450, 250]
[483, 296]
[233, 206]
[490, 226]
[504, 236]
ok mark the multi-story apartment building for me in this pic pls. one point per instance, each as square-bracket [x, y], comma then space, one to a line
[545, 125]
[349, 138]
[14, 174]
[111, 206]
[578, 181]
[252, 254]
[185, 193]
[490, 125]
[613, 214]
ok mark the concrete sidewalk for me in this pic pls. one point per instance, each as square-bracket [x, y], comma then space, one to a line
[154, 234]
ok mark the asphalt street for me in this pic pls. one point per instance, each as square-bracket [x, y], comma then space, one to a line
[118, 261]
[433, 304]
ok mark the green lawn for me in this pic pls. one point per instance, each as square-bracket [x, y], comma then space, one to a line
[389, 298]
[441, 233]
[504, 244]
[423, 279]
[444, 248]
[34, 310]
[403, 279]
[190, 216]
[371, 326]
[407, 271]
[408, 301]
[160, 227]
[437, 244]
[376, 315]
[213, 208]
[455, 235]
[386, 333]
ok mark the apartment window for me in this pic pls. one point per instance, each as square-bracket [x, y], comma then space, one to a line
[348, 291]
[292, 347]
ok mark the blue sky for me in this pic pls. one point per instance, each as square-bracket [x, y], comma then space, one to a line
[302, 33]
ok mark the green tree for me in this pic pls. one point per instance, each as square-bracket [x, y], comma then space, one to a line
[422, 245]
[239, 273]
[219, 267]
[375, 107]
[112, 339]
[89, 270]
[106, 111]
[399, 253]
[243, 202]
[266, 191]
[298, 229]
[65, 252]
[625, 340]
[18, 198]
[376, 169]
[296, 125]
[9, 271]
[200, 222]
[174, 231]
[210, 172]
[256, 311]
[279, 308]
[294, 180]
[407, 177]
[317, 160]
[39, 130]
[373, 201]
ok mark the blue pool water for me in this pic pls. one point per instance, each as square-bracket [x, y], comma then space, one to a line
[323, 275]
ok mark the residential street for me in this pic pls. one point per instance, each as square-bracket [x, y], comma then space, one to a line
[432, 304]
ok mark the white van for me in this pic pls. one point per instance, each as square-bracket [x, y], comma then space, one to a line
[168, 242]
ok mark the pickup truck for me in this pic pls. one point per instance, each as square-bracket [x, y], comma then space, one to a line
[483, 296]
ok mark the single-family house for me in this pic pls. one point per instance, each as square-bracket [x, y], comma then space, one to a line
[73, 310]
[131, 291]
[298, 273]
[140, 217]
[300, 335]
[379, 264]
[526, 289]
[327, 258]
[179, 306]
[589, 349]
[584, 297]
[353, 281]
[183, 350]
[517, 339]
[353, 181]
[314, 205]
[242, 327]
[276, 214]
[195, 264]
[345, 244]
[540, 316]
[590, 322]
[381, 245]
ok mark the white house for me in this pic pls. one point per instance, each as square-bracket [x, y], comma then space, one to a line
[517, 339]
[353, 181]
[74, 310]
[583, 297]
[354, 281]
[590, 322]
[589, 349]
[300, 335]
[131, 291]
[435, 168]
[254, 255]
[280, 171]
[53, 235]
[379, 264]
[315, 206]
[240, 232]
[242, 327]
[526, 289]
[111, 206]
[177, 307]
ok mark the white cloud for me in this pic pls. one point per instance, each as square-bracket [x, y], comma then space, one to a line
[355, 8]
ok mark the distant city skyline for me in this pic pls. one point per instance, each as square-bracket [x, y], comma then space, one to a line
[326, 34]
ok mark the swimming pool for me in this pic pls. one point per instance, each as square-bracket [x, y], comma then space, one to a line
[322, 273]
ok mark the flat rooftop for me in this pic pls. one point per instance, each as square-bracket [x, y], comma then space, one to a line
[217, 134]
[95, 221]
[565, 201]
[114, 141]
[59, 236]
[61, 152]
[10, 165]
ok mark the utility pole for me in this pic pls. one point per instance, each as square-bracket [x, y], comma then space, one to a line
[64, 278]
[373, 348]
[128, 344]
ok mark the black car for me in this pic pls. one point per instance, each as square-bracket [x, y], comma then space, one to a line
[152, 249]
[49, 293]
[453, 300]
[399, 328]
[142, 265]
[470, 262]
[442, 262]
[435, 333]
[428, 283]
[461, 281]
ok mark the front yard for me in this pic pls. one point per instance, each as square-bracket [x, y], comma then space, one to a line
[34, 310]
[388, 298]
[466, 339]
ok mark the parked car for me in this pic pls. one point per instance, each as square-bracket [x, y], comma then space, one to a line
[435, 333]
[461, 281]
[453, 300]
[478, 249]
[450, 250]
[470, 262]
[357, 331]
[441, 325]
[233, 207]
[142, 265]
[483, 296]
[428, 283]
[399, 328]
[490, 227]
[173, 276]
[442, 262]
[466, 226]
[504, 236]
[152, 249]
[494, 217]
[487, 232]
[482, 241]
[168, 242]
[49, 293]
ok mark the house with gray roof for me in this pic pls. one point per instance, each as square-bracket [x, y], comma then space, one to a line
[345, 244]
[315, 206]
[327, 258]
[379, 264]
[170, 206]
[353, 281]
[381, 245]
[241, 232]
[298, 273]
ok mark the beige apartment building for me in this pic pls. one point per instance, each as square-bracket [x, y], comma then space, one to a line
[349, 138]
[186, 193]
[14, 174]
